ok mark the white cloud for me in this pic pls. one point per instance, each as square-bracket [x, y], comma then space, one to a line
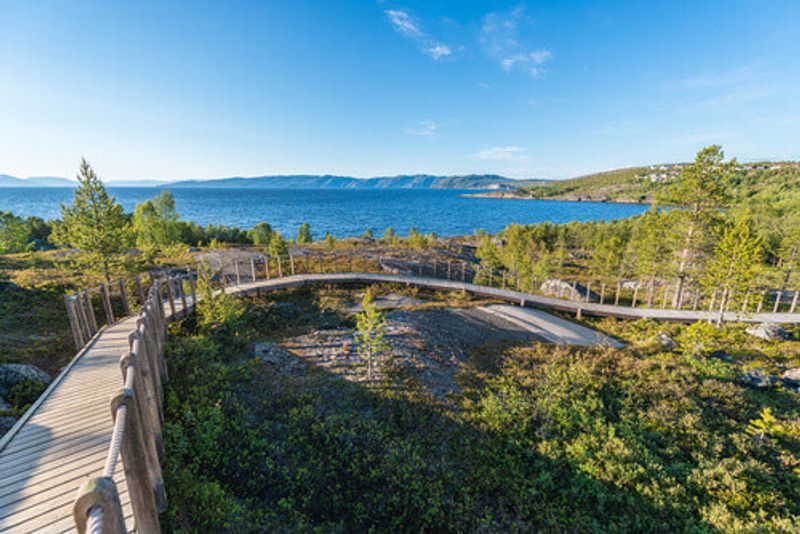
[500, 153]
[409, 28]
[426, 128]
[499, 38]
[403, 23]
[439, 50]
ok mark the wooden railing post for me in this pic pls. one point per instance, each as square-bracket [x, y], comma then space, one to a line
[280, 266]
[635, 294]
[106, 299]
[616, 296]
[184, 305]
[449, 267]
[252, 269]
[266, 266]
[170, 295]
[238, 274]
[140, 291]
[135, 460]
[87, 300]
[99, 493]
[77, 334]
[463, 271]
[319, 257]
[778, 297]
[794, 301]
[291, 262]
[83, 320]
[123, 293]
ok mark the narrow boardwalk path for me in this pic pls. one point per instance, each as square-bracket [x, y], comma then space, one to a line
[64, 437]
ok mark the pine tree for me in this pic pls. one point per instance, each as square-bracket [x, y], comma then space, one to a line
[278, 248]
[330, 241]
[95, 224]
[735, 263]
[371, 332]
[304, 234]
[701, 190]
[261, 234]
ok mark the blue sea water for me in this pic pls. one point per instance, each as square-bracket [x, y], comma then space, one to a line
[340, 212]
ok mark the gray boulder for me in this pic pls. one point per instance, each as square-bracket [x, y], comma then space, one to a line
[791, 378]
[553, 287]
[12, 374]
[768, 332]
[666, 341]
[759, 379]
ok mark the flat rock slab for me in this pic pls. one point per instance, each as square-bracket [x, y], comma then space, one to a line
[429, 345]
[551, 328]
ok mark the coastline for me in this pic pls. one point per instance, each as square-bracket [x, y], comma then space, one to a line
[507, 195]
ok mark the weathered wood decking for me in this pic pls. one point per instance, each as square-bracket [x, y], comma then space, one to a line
[64, 437]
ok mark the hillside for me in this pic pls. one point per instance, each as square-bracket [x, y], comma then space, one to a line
[642, 184]
[420, 181]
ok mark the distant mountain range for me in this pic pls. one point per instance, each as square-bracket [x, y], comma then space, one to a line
[35, 181]
[419, 181]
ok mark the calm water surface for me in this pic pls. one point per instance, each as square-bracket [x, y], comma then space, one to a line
[340, 212]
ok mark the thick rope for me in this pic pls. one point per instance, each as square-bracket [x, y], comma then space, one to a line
[94, 523]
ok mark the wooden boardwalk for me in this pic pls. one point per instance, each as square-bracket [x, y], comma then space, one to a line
[63, 439]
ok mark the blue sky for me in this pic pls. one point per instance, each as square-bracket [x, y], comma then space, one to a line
[174, 90]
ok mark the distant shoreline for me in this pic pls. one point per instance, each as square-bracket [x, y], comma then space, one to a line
[510, 195]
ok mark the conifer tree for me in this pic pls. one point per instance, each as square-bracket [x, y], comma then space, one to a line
[735, 263]
[701, 190]
[371, 332]
[304, 234]
[278, 248]
[261, 234]
[95, 225]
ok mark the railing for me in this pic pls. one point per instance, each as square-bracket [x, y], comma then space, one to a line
[137, 411]
[138, 407]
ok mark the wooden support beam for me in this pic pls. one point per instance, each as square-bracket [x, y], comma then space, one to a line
[105, 298]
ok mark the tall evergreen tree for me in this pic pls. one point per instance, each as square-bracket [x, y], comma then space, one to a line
[701, 190]
[95, 224]
[735, 263]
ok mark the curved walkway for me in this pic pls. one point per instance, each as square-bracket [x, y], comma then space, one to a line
[64, 436]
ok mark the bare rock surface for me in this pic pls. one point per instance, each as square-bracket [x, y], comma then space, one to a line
[12, 374]
[768, 332]
[428, 345]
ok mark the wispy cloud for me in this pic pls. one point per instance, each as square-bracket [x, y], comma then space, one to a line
[726, 89]
[408, 27]
[500, 153]
[425, 128]
[500, 39]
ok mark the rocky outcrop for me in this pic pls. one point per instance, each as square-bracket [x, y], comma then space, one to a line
[791, 378]
[553, 287]
[758, 379]
[768, 332]
[12, 374]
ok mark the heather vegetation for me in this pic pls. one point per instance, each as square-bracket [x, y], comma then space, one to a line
[538, 437]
